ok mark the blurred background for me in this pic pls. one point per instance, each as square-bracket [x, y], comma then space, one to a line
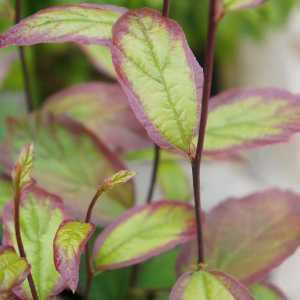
[258, 47]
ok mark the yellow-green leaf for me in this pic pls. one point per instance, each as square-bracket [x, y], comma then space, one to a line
[266, 291]
[83, 23]
[69, 243]
[13, 269]
[160, 76]
[40, 216]
[144, 232]
[208, 286]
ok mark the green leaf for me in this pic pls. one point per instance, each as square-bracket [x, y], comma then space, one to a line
[6, 192]
[232, 5]
[40, 216]
[13, 269]
[160, 76]
[100, 57]
[173, 181]
[144, 232]
[82, 23]
[243, 119]
[266, 292]
[250, 236]
[103, 108]
[22, 172]
[208, 286]
[69, 243]
[149, 278]
[71, 163]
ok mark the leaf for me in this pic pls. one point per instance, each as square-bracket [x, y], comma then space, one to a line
[40, 217]
[81, 23]
[6, 192]
[150, 279]
[266, 291]
[243, 119]
[173, 181]
[119, 178]
[69, 243]
[232, 5]
[144, 232]
[249, 237]
[6, 60]
[22, 172]
[100, 57]
[70, 162]
[103, 108]
[13, 269]
[208, 286]
[160, 76]
[110, 285]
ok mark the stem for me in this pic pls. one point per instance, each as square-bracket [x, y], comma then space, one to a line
[89, 266]
[208, 75]
[26, 77]
[154, 173]
[17, 201]
[166, 8]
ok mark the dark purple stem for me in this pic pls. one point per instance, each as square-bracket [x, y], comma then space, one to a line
[17, 200]
[89, 265]
[156, 161]
[196, 162]
[26, 77]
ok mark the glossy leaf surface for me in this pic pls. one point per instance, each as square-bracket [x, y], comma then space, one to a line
[69, 243]
[70, 162]
[82, 23]
[243, 119]
[160, 76]
[144, 232]
[249, 237]
[103, 108]
[40, 216]
[13, 269]
[208, 286]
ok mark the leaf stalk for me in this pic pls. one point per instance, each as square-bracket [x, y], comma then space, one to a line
[196, 161]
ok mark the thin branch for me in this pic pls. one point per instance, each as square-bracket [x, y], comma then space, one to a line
[89, 265]
[166, 8]
[156, 161]
[208, 76]
[24, 66]
[17, 200]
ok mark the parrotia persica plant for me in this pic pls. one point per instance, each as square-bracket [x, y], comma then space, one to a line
[69, 194]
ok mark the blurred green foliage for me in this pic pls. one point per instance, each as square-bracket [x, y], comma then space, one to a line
[54, 67]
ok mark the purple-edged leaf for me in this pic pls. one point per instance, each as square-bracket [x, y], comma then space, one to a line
[100, 57]
[248, 237]
[82, 23]
[103, 108]
[69, 243]
[266, 291]
[40, 217]
[70, 162]
[144, 232]
[242, 119]
[206, 285]
[22, 171]
[13, 269]
[232, 5]
[120, 177]
[160, 76]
